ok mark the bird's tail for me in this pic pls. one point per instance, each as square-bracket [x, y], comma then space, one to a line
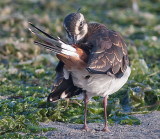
[53, 44]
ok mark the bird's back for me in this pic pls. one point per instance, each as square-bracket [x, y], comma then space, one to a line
[108, 51]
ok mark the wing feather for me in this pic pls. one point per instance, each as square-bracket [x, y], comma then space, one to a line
[108, 54]
[62, 88]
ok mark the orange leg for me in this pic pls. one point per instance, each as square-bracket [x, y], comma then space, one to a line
[105, 114]
[85, 115]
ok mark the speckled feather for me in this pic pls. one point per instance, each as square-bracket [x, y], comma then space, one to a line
[108, 53]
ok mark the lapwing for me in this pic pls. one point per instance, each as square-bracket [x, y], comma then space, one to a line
[93, 62]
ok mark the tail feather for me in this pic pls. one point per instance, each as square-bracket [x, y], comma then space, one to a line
[53, 44]
[57, 49]
[51, 48]
[46, 34]
[45, 39]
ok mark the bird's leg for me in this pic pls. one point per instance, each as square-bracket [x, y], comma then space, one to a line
[105, 114]
[85, 115]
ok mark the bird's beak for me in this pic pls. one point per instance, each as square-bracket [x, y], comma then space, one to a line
[74, 38]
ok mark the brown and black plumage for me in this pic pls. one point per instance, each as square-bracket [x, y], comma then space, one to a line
[108, 53]
[94, 62]
[62, 86]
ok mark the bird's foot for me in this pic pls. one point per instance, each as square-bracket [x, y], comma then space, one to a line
[106, 129]
[86, 128]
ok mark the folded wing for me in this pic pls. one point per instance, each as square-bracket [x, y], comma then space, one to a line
[108, 55]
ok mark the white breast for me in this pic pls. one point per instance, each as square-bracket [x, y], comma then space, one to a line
[98, 84]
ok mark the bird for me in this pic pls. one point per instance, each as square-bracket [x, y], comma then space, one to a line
[94, 61]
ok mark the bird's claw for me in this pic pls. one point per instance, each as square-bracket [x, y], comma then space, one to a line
[106, 129]
[86, 128]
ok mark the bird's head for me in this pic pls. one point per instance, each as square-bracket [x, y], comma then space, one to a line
[76, 27]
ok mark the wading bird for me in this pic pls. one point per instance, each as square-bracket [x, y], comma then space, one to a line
[94, 62]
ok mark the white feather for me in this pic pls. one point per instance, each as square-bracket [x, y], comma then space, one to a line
[66, 73]
[99, 84]
[69, 53]
[67, 47]
[64, 95]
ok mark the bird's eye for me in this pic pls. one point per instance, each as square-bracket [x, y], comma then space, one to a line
[81, 24]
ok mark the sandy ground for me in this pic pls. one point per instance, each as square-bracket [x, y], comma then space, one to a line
[148, 129]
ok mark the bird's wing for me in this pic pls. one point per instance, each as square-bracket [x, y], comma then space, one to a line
[69, 56]
[62, 88]
[108, 54]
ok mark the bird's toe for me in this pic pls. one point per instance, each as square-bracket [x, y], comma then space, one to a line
[106, 130]
[86, 128]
